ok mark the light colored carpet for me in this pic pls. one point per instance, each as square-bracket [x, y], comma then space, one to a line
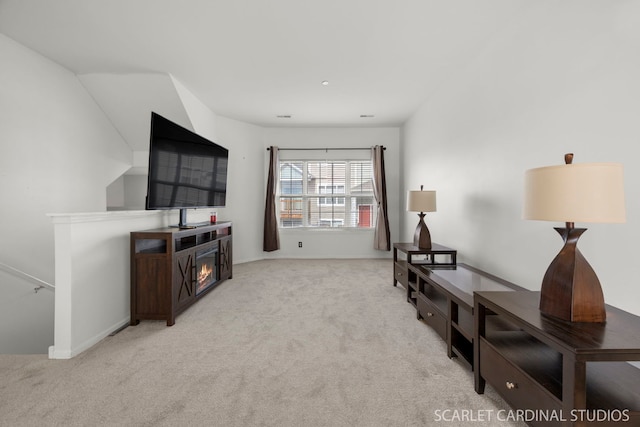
[284, 343]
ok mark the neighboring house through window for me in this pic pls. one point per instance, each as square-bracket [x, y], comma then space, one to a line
[331, 194]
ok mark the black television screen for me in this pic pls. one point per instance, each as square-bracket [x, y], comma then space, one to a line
[185, 169]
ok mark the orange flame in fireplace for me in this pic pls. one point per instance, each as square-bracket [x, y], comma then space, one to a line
[204, 275]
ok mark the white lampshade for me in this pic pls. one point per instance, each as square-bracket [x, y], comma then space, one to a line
[582, 192]
[421, 201]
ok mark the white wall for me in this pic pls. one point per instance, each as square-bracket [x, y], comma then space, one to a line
[135, 191]
[115, 194]
[563, 80]
[58, 153]
[245, 187]
[335, 243]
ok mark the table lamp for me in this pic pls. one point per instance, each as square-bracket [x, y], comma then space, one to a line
[587, 192]
[421, 201]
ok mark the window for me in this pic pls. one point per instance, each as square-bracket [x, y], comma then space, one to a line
[326, 194]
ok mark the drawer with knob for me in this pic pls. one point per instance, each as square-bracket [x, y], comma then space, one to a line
[514, 385]
[432, 316]
[400, 273]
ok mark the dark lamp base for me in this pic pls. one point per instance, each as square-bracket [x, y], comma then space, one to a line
[422, 237]
[570, 289]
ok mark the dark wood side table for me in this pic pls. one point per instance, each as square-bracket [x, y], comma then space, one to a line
[558, 368]
[433, 258]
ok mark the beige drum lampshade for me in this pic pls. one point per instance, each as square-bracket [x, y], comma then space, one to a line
[582, 192]
[421, 201]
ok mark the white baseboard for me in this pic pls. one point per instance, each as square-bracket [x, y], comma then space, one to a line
[68, 353]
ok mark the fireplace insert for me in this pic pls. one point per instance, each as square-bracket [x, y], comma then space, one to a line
[206, 269]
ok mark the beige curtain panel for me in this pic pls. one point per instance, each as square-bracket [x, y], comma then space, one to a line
[382, 236]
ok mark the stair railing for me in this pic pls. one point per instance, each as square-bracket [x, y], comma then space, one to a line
[40, 284]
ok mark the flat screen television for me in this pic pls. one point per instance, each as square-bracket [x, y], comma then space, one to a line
[185, 170]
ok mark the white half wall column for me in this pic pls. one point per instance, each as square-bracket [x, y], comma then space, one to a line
[92, 275]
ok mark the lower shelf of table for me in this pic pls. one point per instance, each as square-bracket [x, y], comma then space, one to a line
[610, 385]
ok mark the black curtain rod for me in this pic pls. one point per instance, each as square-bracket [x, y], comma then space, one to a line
[323, 149]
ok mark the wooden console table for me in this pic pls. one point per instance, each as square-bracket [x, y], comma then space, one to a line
[400, 270]
[443, 298]
[558, 368]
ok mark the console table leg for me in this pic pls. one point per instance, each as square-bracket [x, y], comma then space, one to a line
[574, 386]
[395, 259]
[479, 331]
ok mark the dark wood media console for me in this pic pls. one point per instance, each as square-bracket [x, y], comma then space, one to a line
[172, 268]
[572, 373]
[443, 297]
[551, 372]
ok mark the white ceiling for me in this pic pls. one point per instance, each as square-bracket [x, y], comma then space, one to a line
[253, 60]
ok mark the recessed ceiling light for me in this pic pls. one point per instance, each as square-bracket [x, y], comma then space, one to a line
[325, 82]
